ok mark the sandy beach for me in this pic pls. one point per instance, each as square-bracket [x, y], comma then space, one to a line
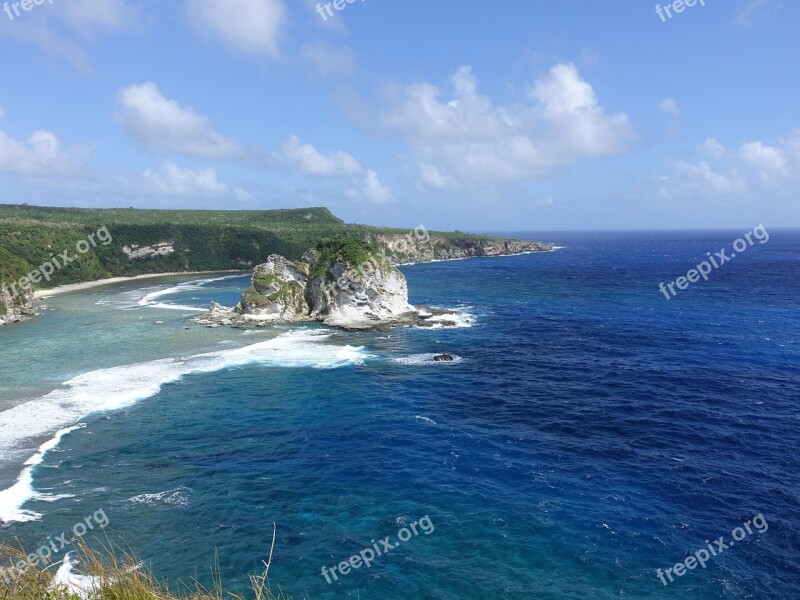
[77, 287]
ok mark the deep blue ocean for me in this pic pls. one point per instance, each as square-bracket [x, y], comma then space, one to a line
[589, 432]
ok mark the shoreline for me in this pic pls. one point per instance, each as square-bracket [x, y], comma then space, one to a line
[86, 285]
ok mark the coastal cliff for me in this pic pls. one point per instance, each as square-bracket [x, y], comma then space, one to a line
[344, 283]
[16, 301]
[148, 242]
[16, 307]
[426, 247]
[352, 283]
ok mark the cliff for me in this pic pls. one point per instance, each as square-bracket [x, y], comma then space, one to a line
[351, 283]
[428, 247]
[104, 243]
[16, 301]
[343, 282]
[16, 307]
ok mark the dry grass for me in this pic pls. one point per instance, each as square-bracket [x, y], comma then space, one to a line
[117, 576]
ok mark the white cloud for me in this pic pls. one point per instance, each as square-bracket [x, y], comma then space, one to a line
[251, 27]
[702, 179]
[713, 148]
[243, 195]
[162, 125]
[430, 176]
[328, 59]
[766, 160]
[172, 181]
[467, 140]
[752, 168]
[41, 163]
[371, 190]
[311, 162]
[40, 156]
[670, 107]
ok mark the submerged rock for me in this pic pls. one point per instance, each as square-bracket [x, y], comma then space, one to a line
[443, 358]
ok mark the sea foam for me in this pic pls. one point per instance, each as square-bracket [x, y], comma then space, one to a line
[153, 299]
[82, 586]
[120, 387]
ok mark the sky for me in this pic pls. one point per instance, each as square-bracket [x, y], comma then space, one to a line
[456, 114]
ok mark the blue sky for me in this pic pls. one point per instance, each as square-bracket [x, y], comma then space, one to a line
[520, 115]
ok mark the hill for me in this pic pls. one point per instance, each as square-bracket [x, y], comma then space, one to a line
[73, 245]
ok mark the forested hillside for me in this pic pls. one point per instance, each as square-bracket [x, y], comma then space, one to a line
[191, 240]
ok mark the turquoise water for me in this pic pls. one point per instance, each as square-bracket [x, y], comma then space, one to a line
[589, 433]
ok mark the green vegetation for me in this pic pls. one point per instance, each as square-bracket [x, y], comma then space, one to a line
[264, 280]
[354, 251]
[291, 295]
[253, 297]
[202, 240]
[11, 267]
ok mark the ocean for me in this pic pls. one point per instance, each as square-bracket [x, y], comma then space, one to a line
[589, 433]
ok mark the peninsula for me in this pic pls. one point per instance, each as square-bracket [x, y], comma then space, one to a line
[43, 248]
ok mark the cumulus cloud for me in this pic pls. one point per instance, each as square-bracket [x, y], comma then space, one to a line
[310, 161]
[370, 189]
[250, 27]
[752, 168]
[465, 139]
[432, 177]
[42, 163]
[163, 125]
[713, 148]
[172, 181]
[40, 156]
[767, 161]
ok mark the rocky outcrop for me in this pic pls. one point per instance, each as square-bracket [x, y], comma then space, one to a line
[354, 283]
[277, 291]
[351, 292]
[135, 251]
[16, 306]
[344, 283]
